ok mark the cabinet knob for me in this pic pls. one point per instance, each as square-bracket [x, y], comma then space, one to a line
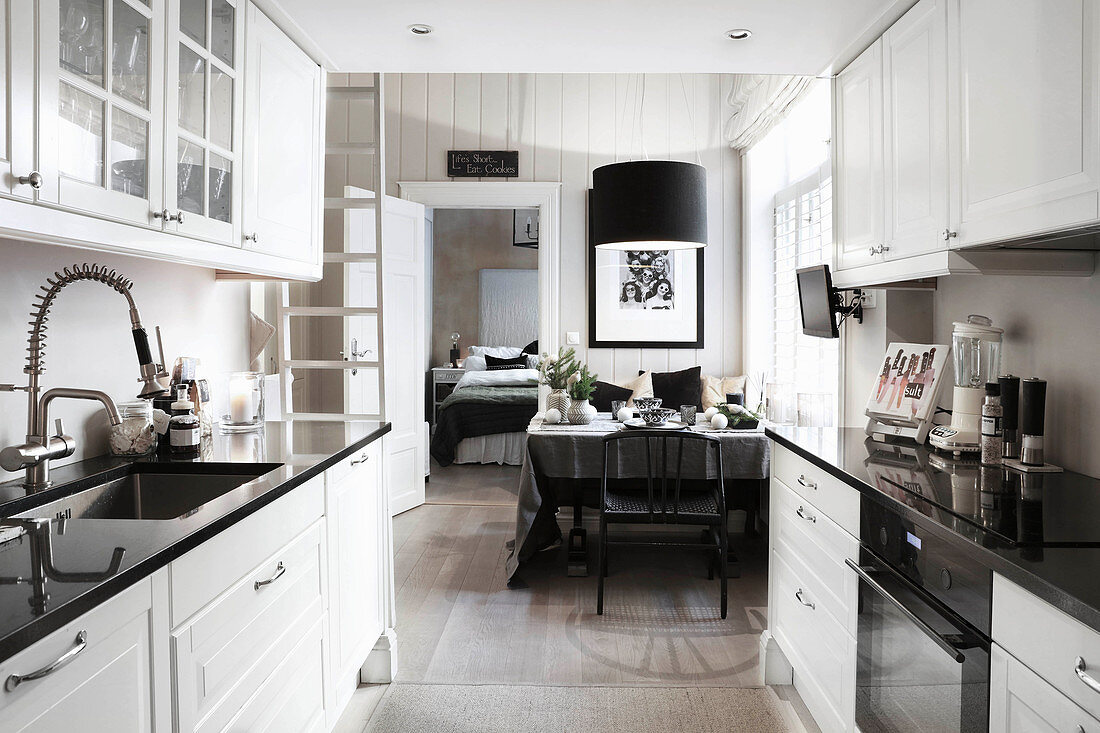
[177, 217]
[949, 235]
[33, 179]
[878, 249]
[254, 237]
[162, 214]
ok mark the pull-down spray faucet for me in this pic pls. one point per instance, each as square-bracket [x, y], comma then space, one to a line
[41, 448]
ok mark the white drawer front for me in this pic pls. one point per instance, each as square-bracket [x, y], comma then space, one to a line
[227, 650]
[821, 651]
[839, 501]
[1021, 701]
[205, 572]
[360, 459]
[1047, 640]
[802, 530]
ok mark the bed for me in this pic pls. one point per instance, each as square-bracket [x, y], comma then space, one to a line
[485, 418]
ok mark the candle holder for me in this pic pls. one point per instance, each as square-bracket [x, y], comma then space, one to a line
[245, 392]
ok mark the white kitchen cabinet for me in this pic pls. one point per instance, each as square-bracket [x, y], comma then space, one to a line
[283, 144]
[354, 509]
[1025, 129]
[16, 97]
[858, 162]
[100, 107]
[1021, 701]
[105, 682]
[203, 122]
[915, 123]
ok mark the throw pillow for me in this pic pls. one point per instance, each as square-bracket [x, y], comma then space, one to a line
[640, 386]
[518, 362]
[532, 348]
[503, 352]
[715, 389]
[678, 388]
[606, 392]
[499, 367]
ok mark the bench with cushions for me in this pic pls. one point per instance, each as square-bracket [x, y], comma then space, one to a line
[684, 387]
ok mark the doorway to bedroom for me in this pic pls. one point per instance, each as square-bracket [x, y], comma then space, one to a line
[484, 346]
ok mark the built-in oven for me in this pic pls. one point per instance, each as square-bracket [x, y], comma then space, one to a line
[922, 642]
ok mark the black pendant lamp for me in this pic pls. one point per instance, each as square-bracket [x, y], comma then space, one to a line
[648, 205]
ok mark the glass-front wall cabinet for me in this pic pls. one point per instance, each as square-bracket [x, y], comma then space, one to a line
[17, 99]
[100, 147]
[203, 143]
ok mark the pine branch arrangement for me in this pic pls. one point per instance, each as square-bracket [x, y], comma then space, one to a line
[583, 384]
[555, 371]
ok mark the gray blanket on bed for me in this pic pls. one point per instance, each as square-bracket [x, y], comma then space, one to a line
[492, 396]
[473, 411]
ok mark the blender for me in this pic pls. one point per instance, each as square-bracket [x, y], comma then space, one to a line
[976, 349]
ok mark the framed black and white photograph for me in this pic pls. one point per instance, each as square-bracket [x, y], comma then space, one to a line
[648, 299]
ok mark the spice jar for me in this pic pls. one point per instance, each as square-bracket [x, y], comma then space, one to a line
[134, 436]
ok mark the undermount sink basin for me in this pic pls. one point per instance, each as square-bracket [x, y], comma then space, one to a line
[146, 494]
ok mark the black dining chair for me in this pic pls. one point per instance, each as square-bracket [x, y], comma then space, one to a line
[672, 491]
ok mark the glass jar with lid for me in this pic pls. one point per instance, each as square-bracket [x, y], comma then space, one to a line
[134, 435]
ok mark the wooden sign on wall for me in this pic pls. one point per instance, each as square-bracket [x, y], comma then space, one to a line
[483, 163]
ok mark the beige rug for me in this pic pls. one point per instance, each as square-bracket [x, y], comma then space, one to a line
[530, 709]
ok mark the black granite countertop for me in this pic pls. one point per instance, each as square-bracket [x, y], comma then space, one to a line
[1041, 531]
[283, 456]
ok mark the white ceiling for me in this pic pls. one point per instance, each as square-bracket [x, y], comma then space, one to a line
[789, 36]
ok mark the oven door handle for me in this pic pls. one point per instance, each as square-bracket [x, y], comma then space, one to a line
[937, 637]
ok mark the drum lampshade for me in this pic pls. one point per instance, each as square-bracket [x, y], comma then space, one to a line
[648, 205]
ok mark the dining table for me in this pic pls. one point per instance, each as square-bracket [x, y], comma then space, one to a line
[563, 467]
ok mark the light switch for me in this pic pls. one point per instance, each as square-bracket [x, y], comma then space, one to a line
[573, 338]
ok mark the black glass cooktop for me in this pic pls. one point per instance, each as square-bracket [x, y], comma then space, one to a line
[988, 503]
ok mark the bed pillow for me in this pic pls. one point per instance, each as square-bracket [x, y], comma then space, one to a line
[679, 388]
[495, 363]
[532, 361]
[640, 386]
[474, 363]
[501, 352]
[606, 392]
[715, 389]
[531, 348]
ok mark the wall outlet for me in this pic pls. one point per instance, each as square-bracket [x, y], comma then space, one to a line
[573, 338]
[868, 298]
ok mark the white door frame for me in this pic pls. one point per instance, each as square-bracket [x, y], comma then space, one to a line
[546, 197]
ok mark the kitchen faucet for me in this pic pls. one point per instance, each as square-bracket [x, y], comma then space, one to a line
[41, 447]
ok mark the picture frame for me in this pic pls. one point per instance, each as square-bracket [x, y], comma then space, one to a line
[644, 299]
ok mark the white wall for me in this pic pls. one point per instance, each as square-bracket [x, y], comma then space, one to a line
[563, 126]
[1050, 332]
[89, 343]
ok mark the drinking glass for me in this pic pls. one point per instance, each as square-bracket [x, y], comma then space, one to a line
[687, 414]
[616, 405]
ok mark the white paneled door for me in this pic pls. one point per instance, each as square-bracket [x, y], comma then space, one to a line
[403, 306]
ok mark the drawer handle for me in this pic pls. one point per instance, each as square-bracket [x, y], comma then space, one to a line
[808, 604]
[807, 517]
[81, 644]
[279, 570]
[1079, 667]
[803, 481]
[361, 459]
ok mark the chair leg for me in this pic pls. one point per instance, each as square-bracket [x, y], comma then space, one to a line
[707, 537]
[602, 570]
[723, 544]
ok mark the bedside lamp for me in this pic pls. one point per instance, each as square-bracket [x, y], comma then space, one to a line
[454, 349]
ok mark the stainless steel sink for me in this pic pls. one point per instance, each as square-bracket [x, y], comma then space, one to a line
[145, 495]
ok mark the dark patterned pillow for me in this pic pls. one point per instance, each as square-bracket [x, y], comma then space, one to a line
[497, 363]
[499, 367]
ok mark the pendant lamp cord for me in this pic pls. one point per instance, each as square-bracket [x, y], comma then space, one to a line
[641, 121]
[691, 119]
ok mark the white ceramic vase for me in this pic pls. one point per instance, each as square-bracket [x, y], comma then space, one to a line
[559, 400]
[581, 412]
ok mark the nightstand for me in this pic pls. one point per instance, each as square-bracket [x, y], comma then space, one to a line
[444, 380]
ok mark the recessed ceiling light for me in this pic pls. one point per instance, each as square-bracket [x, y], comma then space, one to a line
[420, 29]
[738, 34]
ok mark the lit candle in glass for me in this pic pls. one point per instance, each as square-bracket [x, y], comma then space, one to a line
[240, 401]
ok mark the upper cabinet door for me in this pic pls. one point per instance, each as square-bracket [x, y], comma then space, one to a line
[1026, 133]
[100, 93]
[283, 98]
[16, 98]
[858, 161]
[915, 118]
[204, 110]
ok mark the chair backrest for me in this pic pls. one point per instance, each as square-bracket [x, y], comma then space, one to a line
[662, 456]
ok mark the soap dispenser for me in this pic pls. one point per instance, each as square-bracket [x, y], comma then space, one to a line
[184, 430]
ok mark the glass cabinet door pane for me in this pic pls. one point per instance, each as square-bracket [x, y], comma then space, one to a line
[189, 177]
[222, 24]
[129, 152]
[221, 108]
[192, 92]
[221, 187]
[193, 20]
[80, 135]
[130, 54]
[81, 47]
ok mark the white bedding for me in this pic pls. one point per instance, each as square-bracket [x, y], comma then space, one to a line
[500, 378]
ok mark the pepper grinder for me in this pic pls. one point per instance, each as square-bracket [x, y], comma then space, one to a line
[1033, 403]
[1010, 421]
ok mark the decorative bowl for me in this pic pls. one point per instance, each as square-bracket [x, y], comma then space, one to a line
[657, 415]
[647, 403]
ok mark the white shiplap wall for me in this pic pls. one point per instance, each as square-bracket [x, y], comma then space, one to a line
[563, 126]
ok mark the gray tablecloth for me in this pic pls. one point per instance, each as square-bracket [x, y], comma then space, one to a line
[576, 452]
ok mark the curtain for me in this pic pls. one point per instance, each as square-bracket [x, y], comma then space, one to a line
[758, 102]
